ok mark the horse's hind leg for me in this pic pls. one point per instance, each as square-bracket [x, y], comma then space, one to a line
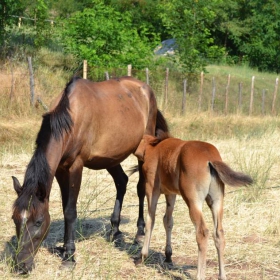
[215, 203]
[141, 196]
[69, 182]
[120, 180]
[168, 224]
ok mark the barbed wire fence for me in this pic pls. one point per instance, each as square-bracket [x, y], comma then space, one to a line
[176, 92]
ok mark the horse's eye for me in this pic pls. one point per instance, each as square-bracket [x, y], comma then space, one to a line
[38, 223]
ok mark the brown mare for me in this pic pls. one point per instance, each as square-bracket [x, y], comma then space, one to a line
[96, 125]
[194, 170]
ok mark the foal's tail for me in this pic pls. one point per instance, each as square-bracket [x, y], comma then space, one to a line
[229, 176]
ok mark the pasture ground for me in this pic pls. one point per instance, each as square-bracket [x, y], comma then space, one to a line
[251, 217]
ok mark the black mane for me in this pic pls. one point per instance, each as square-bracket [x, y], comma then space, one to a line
[37, 174]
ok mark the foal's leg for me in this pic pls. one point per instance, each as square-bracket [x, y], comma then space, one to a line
[69, 182]
[120, 180]
[141, 196]
[152, 199]
[195, 203]
[168, 224]
[215, 203]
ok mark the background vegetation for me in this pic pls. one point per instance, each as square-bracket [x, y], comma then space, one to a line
[113, 33]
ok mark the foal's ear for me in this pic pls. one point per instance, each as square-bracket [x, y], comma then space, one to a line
[17, 185]
[140, 151]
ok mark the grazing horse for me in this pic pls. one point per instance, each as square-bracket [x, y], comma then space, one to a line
[196, 171]
[91, 124]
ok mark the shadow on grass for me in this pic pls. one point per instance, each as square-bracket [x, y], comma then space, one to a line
[155, 260]
[88, 228]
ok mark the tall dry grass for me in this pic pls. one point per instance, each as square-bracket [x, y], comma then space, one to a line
[251, 214]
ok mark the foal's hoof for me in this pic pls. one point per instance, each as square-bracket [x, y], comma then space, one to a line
[67, 265]
[138, 262]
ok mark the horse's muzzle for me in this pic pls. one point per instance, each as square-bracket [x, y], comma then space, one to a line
[24, 268]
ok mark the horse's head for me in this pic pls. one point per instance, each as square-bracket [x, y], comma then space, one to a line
[32, 220]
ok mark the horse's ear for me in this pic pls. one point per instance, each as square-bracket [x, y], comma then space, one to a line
[17, 185]
[41, 193]
[140, 151]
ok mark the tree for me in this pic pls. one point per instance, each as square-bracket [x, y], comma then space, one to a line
[104, 36]
[250, 31]
[8, 9]
[189, 22]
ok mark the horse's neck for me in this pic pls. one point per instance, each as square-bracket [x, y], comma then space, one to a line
[53, 153]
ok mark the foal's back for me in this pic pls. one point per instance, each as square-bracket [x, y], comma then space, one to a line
[181, 164]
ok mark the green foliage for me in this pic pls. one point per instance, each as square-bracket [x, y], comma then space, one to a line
[250, 30]
[191, 29]
[117, 32]
[7, 9]
[104, 36]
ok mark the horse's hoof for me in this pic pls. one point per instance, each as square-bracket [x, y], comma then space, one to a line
[168, 260]
[114, 237]
[139, 240]
[67, 265]
[59, 251]
[168, 264]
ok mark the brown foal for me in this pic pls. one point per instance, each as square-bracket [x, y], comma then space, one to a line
[195, 170]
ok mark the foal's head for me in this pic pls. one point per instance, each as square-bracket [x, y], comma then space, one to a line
[32, 220]
[150, 140]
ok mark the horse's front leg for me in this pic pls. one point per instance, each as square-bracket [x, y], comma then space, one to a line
[141, 196]
[69, 182]
[120, 179]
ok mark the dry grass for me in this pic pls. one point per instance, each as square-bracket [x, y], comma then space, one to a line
[251, 217]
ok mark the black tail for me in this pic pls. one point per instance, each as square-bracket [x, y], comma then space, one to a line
[161, 122]
[132, 170]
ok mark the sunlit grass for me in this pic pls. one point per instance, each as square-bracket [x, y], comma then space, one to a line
[251, 214]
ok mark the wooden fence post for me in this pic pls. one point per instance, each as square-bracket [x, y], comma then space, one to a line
[39, 100]
[166, 86]
[240, 97]
[252, 96]
[13, 81]
[227, 89]
[274, 95]
[263, 101]
[129, 69]
[201, 91]
[184, 96]
[213, 94]
[32, 92]
[85, 69]
[147, 76]
[107, 75]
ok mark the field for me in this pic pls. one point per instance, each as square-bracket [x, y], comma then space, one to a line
[251, 214]
[251, 218]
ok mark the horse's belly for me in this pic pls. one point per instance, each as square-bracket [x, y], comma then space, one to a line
[106, 159]
[101, 163]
